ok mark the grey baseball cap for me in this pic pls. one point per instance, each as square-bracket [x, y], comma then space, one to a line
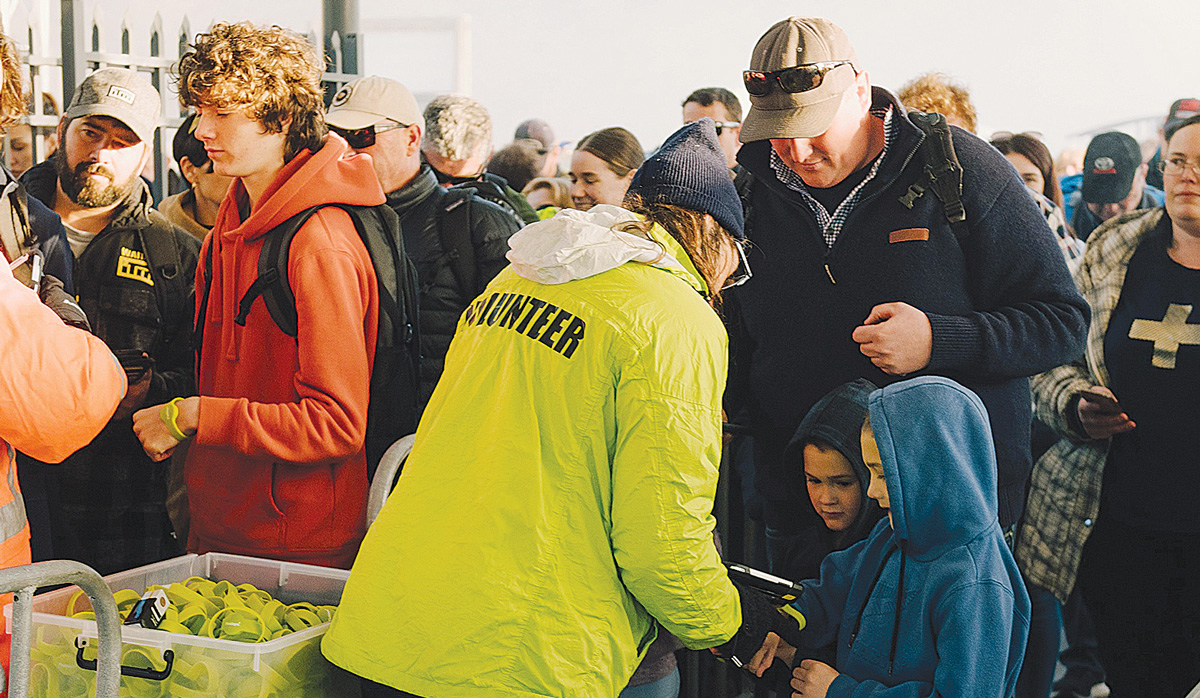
[789, 43]
[122, 94]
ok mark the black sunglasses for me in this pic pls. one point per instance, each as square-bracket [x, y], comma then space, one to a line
[722, 125]
[360, 138]
[800, 78]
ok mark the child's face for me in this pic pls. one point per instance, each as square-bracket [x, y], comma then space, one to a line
[832, 486]
[877, 489]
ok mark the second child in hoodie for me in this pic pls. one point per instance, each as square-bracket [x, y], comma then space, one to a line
[931, 603]
[276, 467]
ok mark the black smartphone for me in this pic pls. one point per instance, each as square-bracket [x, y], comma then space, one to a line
[135, 362]
[783, 589]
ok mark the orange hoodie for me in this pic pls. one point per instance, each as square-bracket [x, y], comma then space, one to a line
[277, 467]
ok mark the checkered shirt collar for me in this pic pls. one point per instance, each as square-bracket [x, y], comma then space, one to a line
[831, 225]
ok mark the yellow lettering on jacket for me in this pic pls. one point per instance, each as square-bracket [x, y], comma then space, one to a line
[131, 264]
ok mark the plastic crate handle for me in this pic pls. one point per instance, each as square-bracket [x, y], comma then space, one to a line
[132, 671]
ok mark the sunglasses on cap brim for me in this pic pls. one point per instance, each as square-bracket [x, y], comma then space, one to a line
[800, 78]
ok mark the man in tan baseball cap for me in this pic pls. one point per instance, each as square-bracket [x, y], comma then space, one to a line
[379, 117]
[859, 271]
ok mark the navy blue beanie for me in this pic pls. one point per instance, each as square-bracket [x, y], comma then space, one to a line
[689, 171]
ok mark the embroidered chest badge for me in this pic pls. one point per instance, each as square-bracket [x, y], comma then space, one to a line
[1167, 334]
[131, 264]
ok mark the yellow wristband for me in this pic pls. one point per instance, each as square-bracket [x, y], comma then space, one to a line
[169, 414]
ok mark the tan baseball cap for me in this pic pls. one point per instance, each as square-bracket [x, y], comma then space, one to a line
[789, 43]
[370, 100]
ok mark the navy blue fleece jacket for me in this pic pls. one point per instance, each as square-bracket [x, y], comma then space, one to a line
[1002, 305]
[935, 606]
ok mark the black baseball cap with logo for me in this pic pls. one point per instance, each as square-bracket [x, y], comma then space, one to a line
[1111, 162]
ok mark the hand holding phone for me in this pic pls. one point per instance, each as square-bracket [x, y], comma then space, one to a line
[1100, 415]
[1105, 401]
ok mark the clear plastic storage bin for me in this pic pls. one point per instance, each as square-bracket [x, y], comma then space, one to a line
[288, 667]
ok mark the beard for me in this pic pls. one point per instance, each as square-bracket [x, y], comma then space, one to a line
[83, 189]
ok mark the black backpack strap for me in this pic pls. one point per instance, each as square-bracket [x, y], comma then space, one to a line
[272, 282]
[166, 269]
[942, 173]
[454, 231]
[743, 182]
[206, 263]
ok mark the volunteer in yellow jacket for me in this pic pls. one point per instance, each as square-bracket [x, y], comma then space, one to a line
[560, 491]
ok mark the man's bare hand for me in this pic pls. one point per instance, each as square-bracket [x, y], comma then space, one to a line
[152, 431]
[896, 337]
[812, 679]
[1099, 419]
[773, 647]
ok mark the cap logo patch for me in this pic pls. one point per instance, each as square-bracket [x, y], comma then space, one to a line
[1104, 165]
[342, 96]
[1190, 105]
[118, 92]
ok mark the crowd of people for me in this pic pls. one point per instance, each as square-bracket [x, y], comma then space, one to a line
[956, 376]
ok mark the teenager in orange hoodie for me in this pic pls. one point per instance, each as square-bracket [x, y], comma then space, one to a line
[276, 467]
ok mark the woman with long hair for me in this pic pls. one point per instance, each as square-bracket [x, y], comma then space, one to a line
[558, 499]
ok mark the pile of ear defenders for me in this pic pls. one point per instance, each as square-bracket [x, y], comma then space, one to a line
[220, 610]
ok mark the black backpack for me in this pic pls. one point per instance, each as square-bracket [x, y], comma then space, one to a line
[495, 189]
[395, 376]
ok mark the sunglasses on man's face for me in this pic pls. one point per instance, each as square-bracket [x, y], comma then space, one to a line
[360, 138]
[801, 78]
[722, 125]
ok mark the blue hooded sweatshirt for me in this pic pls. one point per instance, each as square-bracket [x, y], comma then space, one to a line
[937, 606]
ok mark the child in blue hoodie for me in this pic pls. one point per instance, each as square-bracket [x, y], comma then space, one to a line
[931, 603]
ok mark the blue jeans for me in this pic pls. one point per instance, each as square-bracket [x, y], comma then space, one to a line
[1041, 653]
[666, 687]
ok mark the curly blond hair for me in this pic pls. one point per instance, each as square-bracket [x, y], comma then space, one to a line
[934, 92]
[273, 73]
[13, 98]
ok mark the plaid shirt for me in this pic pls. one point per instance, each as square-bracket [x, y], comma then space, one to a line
[1064, 493]
[831, 225]
[1071, 246]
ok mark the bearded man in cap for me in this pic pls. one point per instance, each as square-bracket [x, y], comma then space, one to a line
[133, 275]
[851, 282]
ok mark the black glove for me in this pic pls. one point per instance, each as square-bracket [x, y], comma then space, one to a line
[55, 298]
[759, 617]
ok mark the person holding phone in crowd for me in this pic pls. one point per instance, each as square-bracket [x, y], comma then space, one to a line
[1112, 505]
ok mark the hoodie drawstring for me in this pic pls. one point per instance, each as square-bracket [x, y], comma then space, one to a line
[896, 617]
[867, 598]
[899, 600]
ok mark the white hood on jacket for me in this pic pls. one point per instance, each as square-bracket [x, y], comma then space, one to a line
[577, 244]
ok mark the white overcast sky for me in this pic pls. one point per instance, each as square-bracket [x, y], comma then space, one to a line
[1055, 66]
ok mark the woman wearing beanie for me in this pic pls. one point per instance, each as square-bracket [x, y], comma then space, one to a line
[558, 498]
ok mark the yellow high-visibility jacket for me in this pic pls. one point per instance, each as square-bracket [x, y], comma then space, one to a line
[561, 487]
